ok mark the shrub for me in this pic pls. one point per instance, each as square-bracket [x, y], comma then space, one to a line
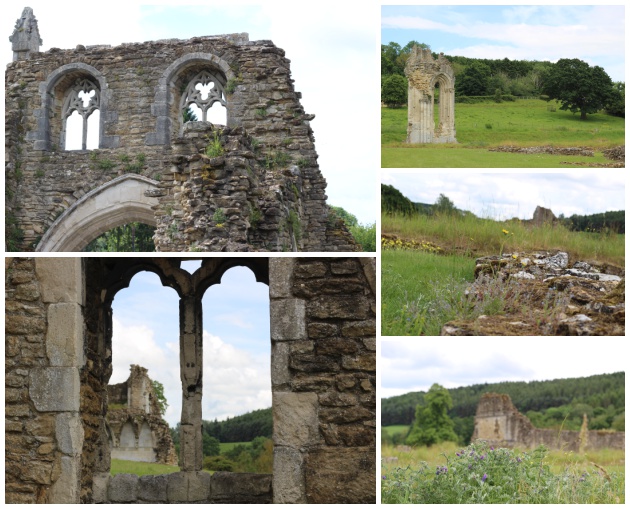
[218, 464]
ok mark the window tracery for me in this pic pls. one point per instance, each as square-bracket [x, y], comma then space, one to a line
[84, 98]
[203, 91]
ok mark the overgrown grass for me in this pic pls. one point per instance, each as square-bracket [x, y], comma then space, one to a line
[523, 123]
[481, 474]
[412, 282]
[140, 468]
[470, 234]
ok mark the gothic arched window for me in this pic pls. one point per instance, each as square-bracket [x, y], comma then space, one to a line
[202, 93]
[81, 116]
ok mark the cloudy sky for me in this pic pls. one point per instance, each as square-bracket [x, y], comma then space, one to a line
[236, 344]
[334, 62]
[503, 196]
[594, 34]
[414, 364]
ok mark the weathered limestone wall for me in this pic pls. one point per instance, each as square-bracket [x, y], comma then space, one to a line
[323, 380]
[423, 73]
[501, 424]
[43, 359]
[138, 432]
[59, 359]
[268, 183]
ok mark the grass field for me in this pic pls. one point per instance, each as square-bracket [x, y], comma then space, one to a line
[421, 291]
[442, 473]
[140, 468]
[479, 126]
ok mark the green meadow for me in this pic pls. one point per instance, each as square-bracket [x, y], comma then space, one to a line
[523, 123]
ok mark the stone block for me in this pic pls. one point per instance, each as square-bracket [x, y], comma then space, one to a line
[362, 362]
[295, 419]
[289, 485]
[100, 484]
[66, 489]
[69, 433]
[280, 374]
[334, 477]
[310, 270]
[288, 319]
[19, 324]
[55, 389]
[123, 488]
[64, 338]
[177, 487]
[61, 279]
[353, 307]
[359, 329]
[152, 488]
[198, 486]
[240, 488]
[344, 267]
[280, 276]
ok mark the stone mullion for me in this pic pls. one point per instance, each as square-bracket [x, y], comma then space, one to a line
[191, 356]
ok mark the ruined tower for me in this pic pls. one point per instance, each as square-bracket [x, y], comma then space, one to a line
[427, 78]
[25, 38]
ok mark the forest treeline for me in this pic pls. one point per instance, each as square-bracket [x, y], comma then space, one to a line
[242, 428]
[491, 79]
[559, 403]
[394, 202]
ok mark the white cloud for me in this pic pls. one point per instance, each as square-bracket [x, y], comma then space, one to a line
[414, 364]
[235, 381]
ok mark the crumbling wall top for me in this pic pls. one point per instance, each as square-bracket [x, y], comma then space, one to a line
[25, 37]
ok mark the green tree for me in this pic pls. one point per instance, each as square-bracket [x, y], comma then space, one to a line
[158, 389]
[617, 104]
[578, 86]
[348, 218]
[211, 446]
[432, 424]
[443, 205]
[189, 115]
[394, 91]
[474, 80]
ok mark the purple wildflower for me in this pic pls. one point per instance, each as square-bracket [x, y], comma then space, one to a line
[518, 460]
[485, 476]
[482, 456]
[492, 447]
[384, 477]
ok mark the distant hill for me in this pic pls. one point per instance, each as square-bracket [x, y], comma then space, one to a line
[242, 428]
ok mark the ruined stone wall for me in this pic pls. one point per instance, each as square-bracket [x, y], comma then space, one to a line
[43, 432]
[499, 423]
[323, 380]
[138, 431]
[323, 376]
[268, 183]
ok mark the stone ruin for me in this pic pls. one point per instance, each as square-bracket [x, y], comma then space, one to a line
[424, 74]
[134, 421]
[248, 183]
[58, 360]
[499, 423]
[543, 216]
[546, 293]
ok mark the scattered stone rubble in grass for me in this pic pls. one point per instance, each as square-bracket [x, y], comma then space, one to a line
[548, 294]
[546, 149]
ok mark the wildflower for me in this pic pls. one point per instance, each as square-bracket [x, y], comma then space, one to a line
[518, 459]
[505, 232]
[485, 476]
[515, 256]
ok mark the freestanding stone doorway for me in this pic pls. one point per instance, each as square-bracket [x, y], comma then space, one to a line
[424, 74]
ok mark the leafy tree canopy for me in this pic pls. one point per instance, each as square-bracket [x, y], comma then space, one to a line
[394, 91]
[432, 424]
[578, 86]
[158, 389]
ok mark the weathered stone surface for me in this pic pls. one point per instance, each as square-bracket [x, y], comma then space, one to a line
[288, 319]
[240, 488]
[289, 486]
[340, 478]
[152, 488]
[69, 433]
[60, 279]
[64, 339]
[66, 489]
[123, 488]
[55, 389]
[339, 306]
[553, 290]
[298, 414]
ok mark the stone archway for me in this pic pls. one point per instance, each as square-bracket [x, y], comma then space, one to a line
[123, 200]
[424, 73]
